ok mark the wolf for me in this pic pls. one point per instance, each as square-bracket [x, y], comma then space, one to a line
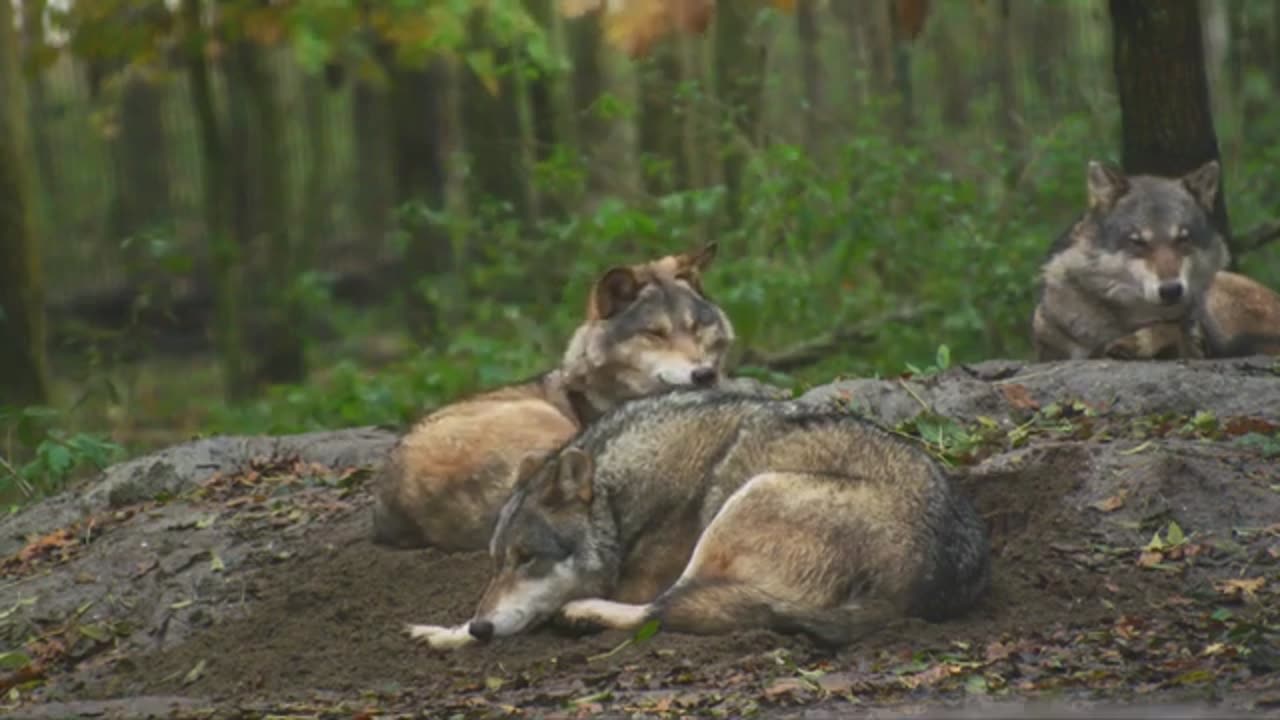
[714, 511]
[1140, 260]
[648, 327]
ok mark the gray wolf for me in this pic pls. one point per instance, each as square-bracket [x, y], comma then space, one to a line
[648, 327]
[713, 511]
[1141, 259]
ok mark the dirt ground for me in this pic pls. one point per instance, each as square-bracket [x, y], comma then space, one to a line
[257, 592]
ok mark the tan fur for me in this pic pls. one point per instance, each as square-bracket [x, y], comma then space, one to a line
[445, 480]
[1241, 316]
[715, 512]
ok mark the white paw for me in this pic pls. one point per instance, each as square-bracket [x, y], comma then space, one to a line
[440, 637]
[611, 614]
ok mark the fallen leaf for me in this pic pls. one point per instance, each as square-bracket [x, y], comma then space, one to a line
[194, 674]
[95, 632]
[785, 686]
[215, 562]
[1246, 588]
[1150, 558]
[1019, 397]
[1111, 504]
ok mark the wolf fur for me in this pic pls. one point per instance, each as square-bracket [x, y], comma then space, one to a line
[1140, 260]
[648, 327]
[714, 511]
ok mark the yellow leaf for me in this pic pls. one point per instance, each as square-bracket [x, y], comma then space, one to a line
[1246, 587]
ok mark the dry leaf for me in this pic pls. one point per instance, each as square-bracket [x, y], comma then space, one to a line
[1246, 588]
[1019, 397]
[1150, 558]
[1111, 504]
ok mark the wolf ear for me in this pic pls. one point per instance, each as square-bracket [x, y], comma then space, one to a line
[691, 265]
[572, 482]
[1202, 183]
[1107, 184]
[613, 292]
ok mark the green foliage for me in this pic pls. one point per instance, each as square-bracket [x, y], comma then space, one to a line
[52, 455]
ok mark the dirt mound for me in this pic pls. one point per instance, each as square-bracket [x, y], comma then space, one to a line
[1130, 568]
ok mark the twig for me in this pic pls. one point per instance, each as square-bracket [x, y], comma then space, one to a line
[1264, 234]
[815, 349]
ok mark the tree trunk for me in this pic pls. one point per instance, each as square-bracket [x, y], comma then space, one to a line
[1167, 126]
[561, 83]
[217, 208]
[371, 123]
[318, 191]
[419, 178]
[903, 88]
[810, 70]
[281, 356]
[23, 367]
[739, 76]
[141, 158]
[34, 43]
[1005, 63]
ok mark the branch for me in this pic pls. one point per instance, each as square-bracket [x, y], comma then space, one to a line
[829, 343]
[1264, 234]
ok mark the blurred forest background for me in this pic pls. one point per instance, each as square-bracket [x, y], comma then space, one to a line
[250, 216]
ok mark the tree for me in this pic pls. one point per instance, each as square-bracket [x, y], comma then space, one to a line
[1167, 126]
[23, 367]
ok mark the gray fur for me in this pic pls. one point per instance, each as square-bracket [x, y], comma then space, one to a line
[1102, 279]
[885, 535]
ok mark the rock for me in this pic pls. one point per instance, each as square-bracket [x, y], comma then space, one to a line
[1249, 387]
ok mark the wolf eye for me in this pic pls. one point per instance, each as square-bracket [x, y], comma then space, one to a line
[656, 333]
[520, 556]
[1135, 239]
[1184, 233]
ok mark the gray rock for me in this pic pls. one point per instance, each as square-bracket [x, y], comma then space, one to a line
[1241, 387]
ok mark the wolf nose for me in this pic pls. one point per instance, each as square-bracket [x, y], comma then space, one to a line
[703, 376]
[481, 630]
[1171, 292]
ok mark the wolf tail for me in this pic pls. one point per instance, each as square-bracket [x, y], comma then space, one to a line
[714, 607]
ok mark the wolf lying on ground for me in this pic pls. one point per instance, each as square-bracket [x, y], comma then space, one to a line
[1141, 276]
[648, 327]
[714, 511]
[1142, 256]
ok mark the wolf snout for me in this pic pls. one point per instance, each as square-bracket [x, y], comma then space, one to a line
[703, 376]
[1170, 292]
[481, 630]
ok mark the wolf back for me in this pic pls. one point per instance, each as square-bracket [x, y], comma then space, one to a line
[713, 511]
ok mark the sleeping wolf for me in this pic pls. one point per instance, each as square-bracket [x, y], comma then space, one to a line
[1140, 260]
[715, 511]
[648, 327]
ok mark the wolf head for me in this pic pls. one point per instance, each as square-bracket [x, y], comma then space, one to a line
[1152, 236]
[649, 327]
[542, 549]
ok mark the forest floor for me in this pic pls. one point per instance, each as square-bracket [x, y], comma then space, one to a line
[1134, 511]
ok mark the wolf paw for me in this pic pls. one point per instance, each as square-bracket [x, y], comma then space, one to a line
[595, 612]
[439, 637]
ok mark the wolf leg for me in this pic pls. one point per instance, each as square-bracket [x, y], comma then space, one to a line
[764, 561]
[440, 637]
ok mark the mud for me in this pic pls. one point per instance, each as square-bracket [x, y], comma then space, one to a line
[255, 590]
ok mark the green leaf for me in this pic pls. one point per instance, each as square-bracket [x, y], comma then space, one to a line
[647, 630]
[14, 660]
[1174, 534]
[95, 632]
